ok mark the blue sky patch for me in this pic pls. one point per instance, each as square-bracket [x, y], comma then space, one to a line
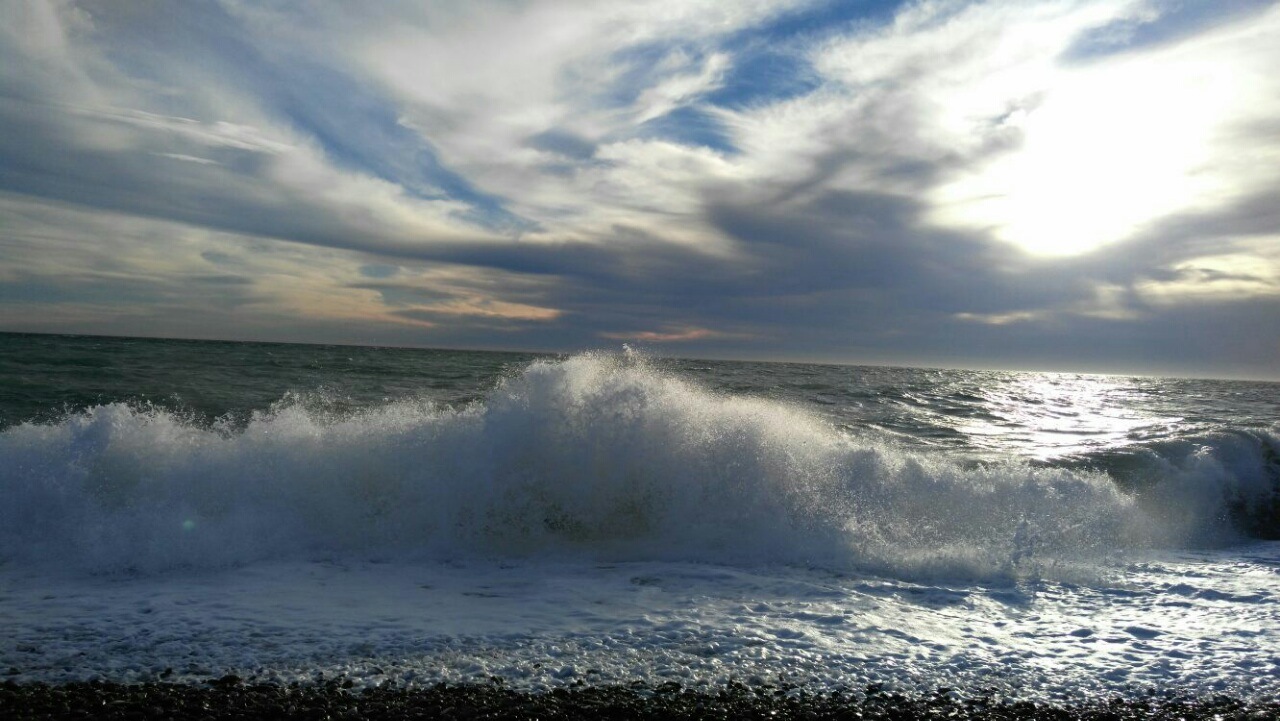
[770, 61]
[689, 126]
[1176, 20]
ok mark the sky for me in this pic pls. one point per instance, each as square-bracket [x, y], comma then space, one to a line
[1078, 185]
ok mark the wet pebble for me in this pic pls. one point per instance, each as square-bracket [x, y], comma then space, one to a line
[228, 696]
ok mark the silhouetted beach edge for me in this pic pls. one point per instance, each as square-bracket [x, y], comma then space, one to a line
[229, 697]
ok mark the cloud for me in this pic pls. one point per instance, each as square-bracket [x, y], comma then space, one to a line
[942, 182]
[669, 335]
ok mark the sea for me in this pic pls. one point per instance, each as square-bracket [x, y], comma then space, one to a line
[176, 510]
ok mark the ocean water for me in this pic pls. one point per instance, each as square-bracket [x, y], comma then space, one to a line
[180, 509]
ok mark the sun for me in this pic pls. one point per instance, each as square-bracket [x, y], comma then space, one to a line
[1106, 151]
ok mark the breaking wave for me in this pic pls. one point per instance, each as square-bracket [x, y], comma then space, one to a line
[602, 455]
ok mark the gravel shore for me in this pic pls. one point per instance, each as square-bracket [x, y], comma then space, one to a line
[228, 697]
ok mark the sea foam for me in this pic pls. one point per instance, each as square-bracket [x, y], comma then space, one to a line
[602, 455]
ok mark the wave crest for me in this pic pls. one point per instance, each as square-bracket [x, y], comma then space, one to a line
[597, 454]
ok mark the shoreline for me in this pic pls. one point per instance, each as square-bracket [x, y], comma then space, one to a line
[230, 697]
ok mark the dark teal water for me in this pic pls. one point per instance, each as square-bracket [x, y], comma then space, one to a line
[43, 377]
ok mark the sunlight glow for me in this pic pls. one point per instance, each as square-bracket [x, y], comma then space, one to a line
[1107, 150]
[1252, 272]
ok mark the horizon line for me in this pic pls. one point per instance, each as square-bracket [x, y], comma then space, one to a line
[650, 351]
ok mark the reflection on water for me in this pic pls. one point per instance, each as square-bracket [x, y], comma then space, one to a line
[991, 414]
[1049, 415]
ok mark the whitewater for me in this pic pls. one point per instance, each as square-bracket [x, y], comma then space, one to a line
[609, 518]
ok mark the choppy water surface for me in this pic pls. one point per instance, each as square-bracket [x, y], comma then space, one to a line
[408, 516]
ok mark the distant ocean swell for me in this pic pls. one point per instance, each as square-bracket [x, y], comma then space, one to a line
[605, 456]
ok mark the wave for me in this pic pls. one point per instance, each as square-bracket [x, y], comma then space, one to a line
[1201, 482]
[603, 455]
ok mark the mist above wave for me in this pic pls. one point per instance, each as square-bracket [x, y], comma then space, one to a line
[598, 454]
